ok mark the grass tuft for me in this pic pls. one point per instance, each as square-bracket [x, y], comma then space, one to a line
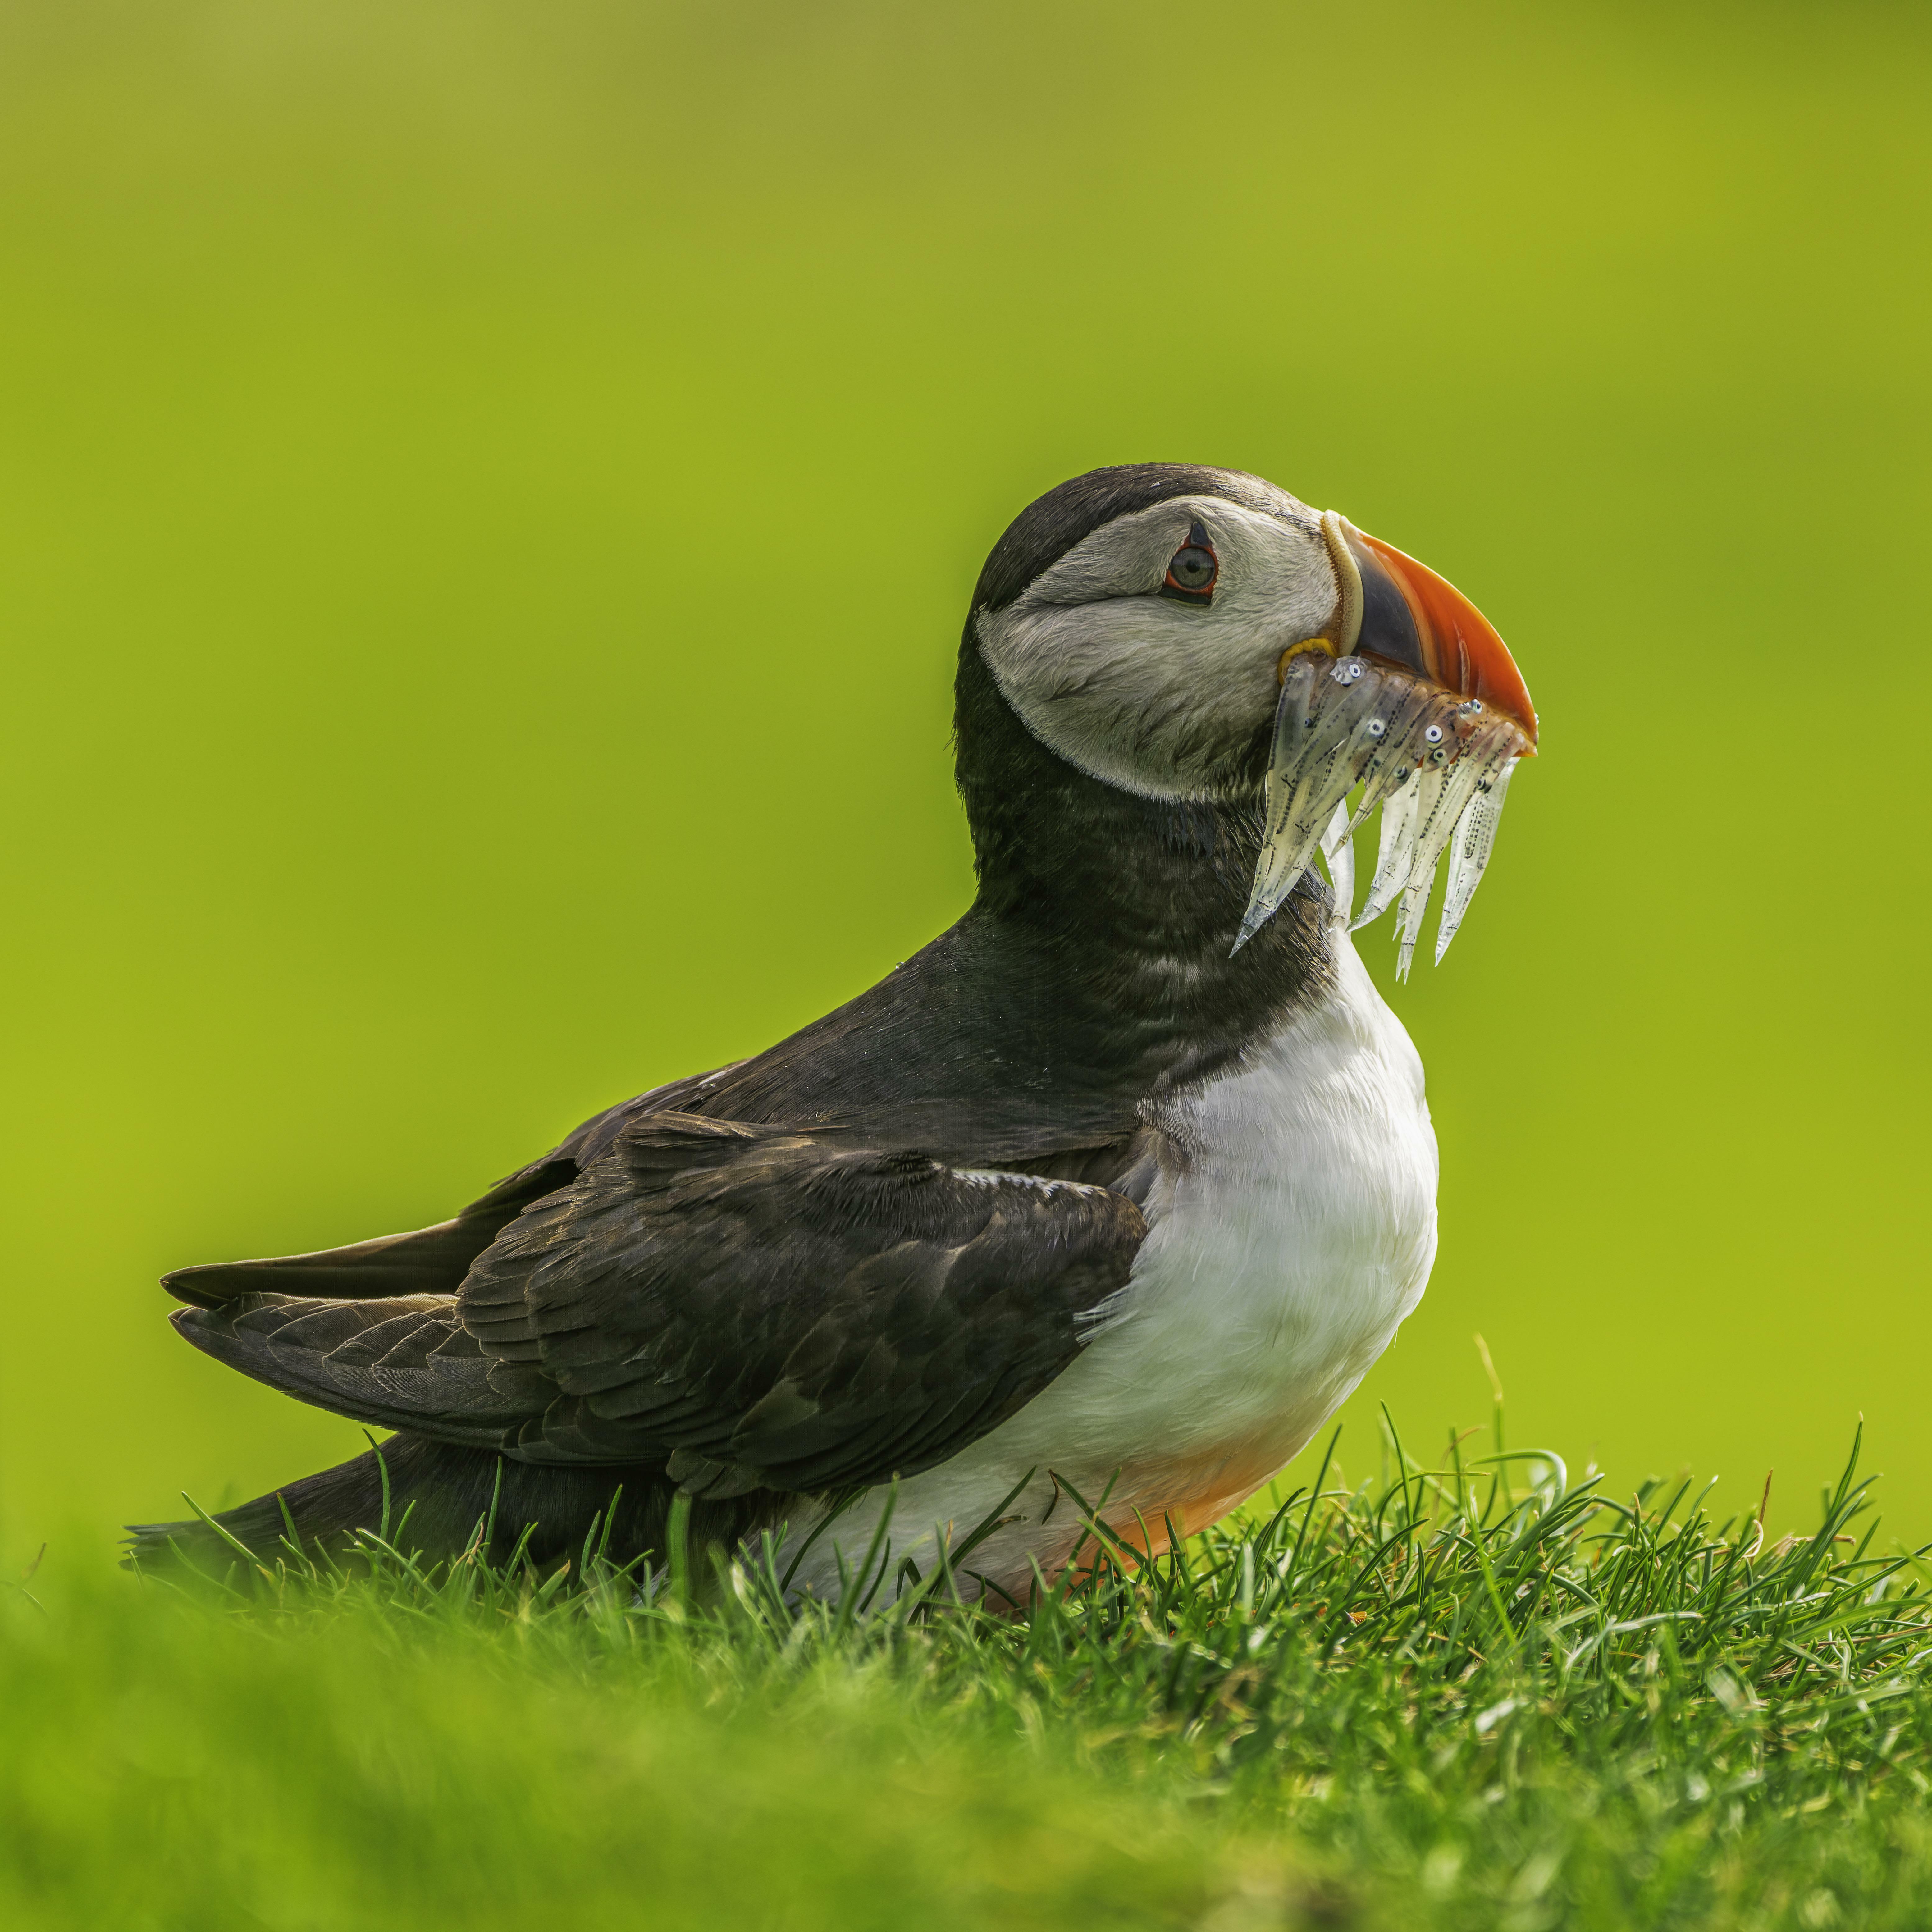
[1468, 1694]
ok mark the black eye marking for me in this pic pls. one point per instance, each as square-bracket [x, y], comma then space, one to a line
[1192, 570]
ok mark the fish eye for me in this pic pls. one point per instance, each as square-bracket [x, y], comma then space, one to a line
[1433, 736]
[1192, 569]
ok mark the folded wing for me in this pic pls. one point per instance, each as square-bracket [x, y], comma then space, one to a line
[759, 1307]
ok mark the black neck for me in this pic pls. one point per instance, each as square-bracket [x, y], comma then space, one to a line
[1137, 900]
[1093, 969]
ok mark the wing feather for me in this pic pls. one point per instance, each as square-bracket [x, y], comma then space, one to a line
[798, 1309]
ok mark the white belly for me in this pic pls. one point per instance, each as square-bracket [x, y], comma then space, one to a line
[1292, 1228]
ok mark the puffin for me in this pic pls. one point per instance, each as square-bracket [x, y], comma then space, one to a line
[1089, 1214]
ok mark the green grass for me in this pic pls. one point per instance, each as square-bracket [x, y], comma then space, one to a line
[1470, 1695]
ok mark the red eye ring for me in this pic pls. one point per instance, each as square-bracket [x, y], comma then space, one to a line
[1193, 570]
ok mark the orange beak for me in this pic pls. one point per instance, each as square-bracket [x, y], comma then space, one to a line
[1413, 618]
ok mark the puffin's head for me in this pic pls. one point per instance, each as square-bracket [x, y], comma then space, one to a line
[1187, 634]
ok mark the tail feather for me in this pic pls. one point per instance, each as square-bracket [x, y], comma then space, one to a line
[439, 1496]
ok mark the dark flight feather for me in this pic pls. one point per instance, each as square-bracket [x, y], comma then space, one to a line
[431, 1261]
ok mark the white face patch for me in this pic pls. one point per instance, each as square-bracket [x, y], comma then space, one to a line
[1161, 698]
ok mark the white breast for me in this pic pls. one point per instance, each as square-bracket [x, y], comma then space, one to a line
[1292, 1225]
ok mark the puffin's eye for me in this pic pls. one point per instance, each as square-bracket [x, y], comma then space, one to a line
[1192, 570]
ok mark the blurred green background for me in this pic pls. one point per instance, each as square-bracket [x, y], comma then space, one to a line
[488, 498]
